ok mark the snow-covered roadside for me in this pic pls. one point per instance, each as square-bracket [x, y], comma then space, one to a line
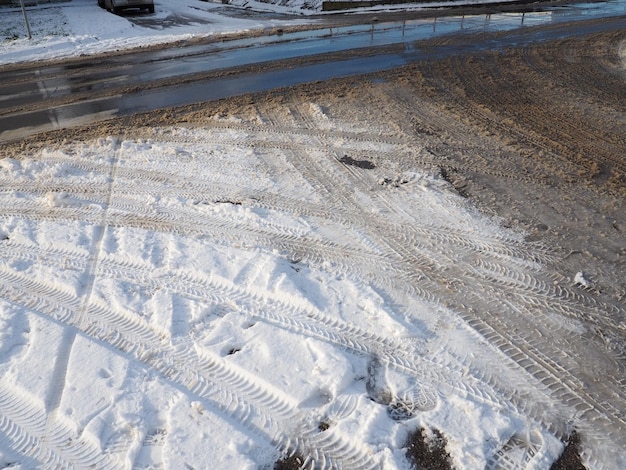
[80, 27]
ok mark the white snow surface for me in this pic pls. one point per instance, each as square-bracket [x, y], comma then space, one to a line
[154, 313]
[151, 319]
[80, 27]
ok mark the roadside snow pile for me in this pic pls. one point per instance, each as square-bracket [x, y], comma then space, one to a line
[191, 298]
[317, 6]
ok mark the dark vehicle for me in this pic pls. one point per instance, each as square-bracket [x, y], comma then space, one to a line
[119, 5]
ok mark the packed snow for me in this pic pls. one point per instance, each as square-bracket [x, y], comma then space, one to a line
[194, 299]
[156, 312]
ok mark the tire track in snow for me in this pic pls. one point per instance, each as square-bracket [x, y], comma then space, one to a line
[343, 335]
[570, 394]
[405, 357]
[425, 244]
[370, 351]
[321, 328]
[474, 85]
[222, 386]
[27, 430]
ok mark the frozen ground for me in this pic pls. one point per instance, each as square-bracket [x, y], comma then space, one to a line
[229, 293]
[303, 273]
[79, 27]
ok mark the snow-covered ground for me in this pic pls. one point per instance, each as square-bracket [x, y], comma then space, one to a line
[193, 298]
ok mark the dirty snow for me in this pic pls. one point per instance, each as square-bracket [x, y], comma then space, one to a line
[156, 311]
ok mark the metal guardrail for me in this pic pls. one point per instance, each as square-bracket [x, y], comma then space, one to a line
[338, 5]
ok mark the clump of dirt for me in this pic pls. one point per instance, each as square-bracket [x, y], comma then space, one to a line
[292, 462]
[570, 458]
[451, 176]
[323, 426]
[363, 164]
[426, 450]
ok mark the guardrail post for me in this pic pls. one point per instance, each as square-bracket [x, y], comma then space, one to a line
[25, 19]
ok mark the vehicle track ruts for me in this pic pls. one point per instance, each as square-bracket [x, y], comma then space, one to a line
[27, 430]
[204, 289]
[606, 135]
[568, 301]
[197, 191]
[509, 78]
[133, 209]
[444, 234]
[535, 355]
[400, 355]
[594, 413]
[189, 184]
[563, 127]
[448, 140]
[598, 57]
[18, 186]
[457, 84]
[220, 385]
[129, 336]
[505, 331]
[318, 170]
[521, 113]
[189, 221]
[589, 197]
[545, 350]
[45, 289]
[405, 254]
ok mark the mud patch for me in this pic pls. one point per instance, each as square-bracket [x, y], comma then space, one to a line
[426, 450]
[363, 164]
[452, 177]
[294, 462]
[570, 458]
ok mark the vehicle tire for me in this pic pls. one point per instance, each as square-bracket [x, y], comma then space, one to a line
[151, 8]
[101, 3]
